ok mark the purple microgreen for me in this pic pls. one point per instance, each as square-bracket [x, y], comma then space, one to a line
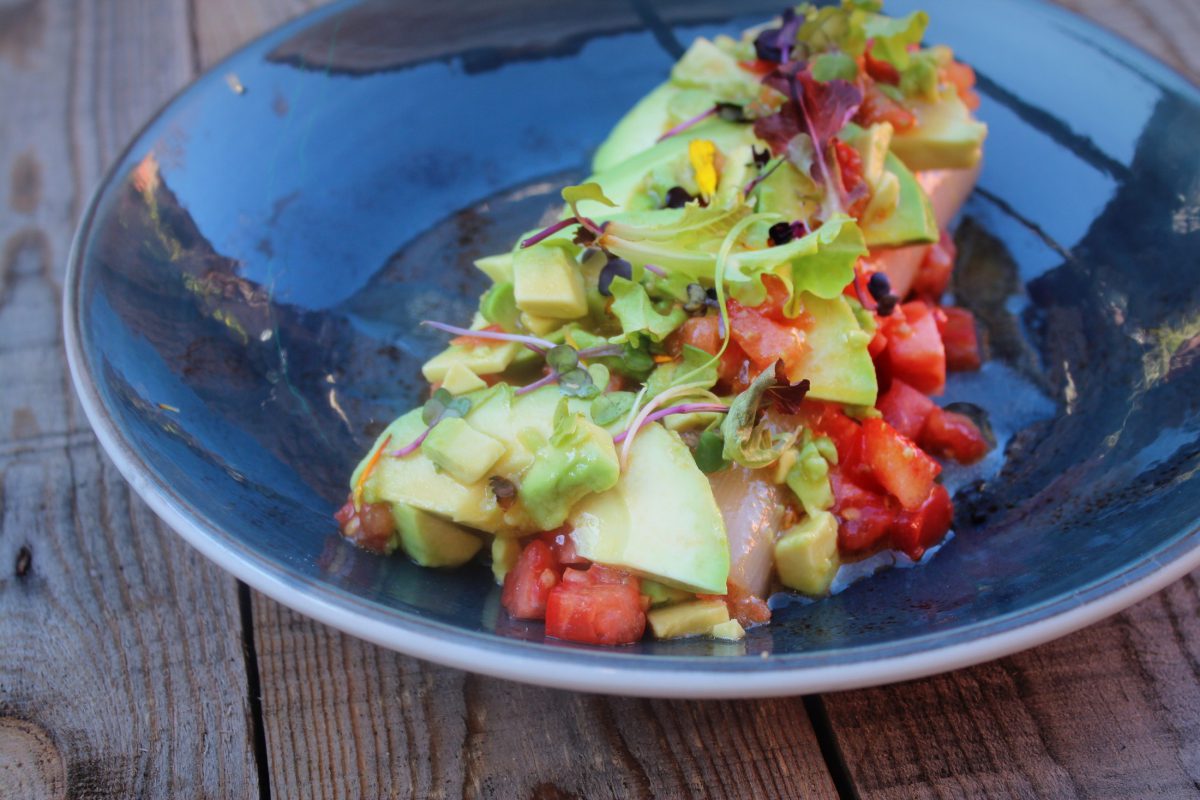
[562, 358]
[677, 197]
[762, 176]
[614, 268]
[881, 291]
[573, 195]
[411, 446]
[819, 109]
[442, 405]
[774, 44]
[687, 123]
[532, 342]
[659, 271]
[545, 380]
[577, 383]
[683, 408]
[602, 351]
[787, 395]
[504, 490]
[549, 231]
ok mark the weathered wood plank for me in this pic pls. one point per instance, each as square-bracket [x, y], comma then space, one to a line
[347, 719]
[121, 671]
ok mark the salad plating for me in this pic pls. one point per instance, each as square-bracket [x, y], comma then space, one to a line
[711, 375]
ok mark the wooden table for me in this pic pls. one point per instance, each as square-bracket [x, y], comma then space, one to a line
[131, 667]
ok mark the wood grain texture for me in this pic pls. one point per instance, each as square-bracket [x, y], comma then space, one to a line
[121, 669]
[347, 719]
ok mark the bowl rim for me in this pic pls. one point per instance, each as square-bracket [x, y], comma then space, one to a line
[609, 671]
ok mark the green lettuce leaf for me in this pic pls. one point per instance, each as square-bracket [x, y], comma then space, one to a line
[821, 262]
[637, 315]
[893, 35]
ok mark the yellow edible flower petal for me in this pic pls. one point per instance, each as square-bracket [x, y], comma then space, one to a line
[703, 155]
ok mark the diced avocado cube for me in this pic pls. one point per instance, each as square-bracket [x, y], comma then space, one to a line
[460, 379]
[837, 364]
[662, 595]
[578, 460]
[505, 553]
[539, 325]
[730, 631]
[497, 267]
[696, 618]
[945, 136]
[806, 556]
[899, 212]
[482, 359]
[432, 541]
[808, 478]
[548, 283]
[461, 451]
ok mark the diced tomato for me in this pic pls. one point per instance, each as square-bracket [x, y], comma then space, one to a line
[878, 342]
[597, 613]
[864, 516]
[915, 352]
[900, 466]
[701, 333]
[960, 340]
[953, 435]
[914, 531]
[831, 421]
[905, 409]
[880, 70]
[777, 297]
[765, 341]
[476, 341]
[962, 77]
[527, 585]
[850, 167]
[878, 107]
[758, 66]
[933, 276]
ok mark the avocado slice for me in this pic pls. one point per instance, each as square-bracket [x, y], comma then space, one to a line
[459, 450]
[659, 521]
[945, 136]
[547, 282]
[837, 364]
[431, 541]
[638, 130]
[912, 219]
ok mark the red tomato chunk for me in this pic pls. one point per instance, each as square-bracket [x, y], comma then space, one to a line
[960, 340]
[902, 468]
[601, 606]
[915, 352]
[905, 409]
[527, 586]
[914, 531]
[953, 435]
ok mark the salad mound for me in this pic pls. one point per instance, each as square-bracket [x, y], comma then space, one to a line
[710, 376]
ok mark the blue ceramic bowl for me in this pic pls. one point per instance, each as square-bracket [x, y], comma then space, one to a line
[244, 288]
